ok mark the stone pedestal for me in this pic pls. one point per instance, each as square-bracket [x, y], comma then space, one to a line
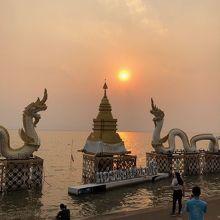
[21, 174]
[211, 163]
[164, 161]
[192, 165]
[94, 163]
[180, 161]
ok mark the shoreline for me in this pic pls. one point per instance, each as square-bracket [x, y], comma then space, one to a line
[163, 212]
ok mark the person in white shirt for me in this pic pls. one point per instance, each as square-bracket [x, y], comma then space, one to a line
[178, 191]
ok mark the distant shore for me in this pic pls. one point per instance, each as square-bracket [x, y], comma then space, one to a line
[163, 213]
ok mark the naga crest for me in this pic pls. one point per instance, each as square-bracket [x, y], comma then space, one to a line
[159, 114]
[35, 107]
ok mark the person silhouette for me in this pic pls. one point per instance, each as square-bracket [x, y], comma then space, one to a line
[178, 192]
[64, 213]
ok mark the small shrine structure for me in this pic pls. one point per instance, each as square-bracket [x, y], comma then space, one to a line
[189, 160]
[104, 149]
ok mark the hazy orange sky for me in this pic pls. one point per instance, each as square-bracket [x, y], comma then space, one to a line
[172, 49]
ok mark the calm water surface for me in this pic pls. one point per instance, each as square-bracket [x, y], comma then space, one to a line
[60, 172]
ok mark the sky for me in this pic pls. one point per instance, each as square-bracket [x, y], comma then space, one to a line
[171, 49]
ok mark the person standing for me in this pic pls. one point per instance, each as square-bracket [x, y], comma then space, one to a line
[64, 214]
[178, 192]
[196, 207]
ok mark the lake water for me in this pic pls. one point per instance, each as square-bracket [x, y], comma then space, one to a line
[60, 172]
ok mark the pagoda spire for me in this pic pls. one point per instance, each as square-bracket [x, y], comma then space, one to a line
[105, 87]
[104, 139]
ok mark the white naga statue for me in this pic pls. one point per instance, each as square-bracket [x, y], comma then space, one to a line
[27, 134]
[189, 146]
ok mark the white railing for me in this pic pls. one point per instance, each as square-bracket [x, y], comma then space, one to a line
[125, 174]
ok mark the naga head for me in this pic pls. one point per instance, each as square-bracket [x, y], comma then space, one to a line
[159, 114]
[35, 107]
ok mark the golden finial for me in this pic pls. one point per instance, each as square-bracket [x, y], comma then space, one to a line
[105, 87]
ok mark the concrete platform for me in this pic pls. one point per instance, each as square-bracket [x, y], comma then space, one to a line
[93, 188]
[86, 189]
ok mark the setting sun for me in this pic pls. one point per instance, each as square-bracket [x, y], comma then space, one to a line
[124, 75]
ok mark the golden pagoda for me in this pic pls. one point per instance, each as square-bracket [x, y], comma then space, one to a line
[104, 140]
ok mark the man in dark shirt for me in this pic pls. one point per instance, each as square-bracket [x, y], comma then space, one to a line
[64, 214]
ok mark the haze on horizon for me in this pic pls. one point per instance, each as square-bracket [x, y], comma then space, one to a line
[171, 48]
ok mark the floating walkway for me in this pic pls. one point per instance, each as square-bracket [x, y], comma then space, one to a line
[94, 188]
